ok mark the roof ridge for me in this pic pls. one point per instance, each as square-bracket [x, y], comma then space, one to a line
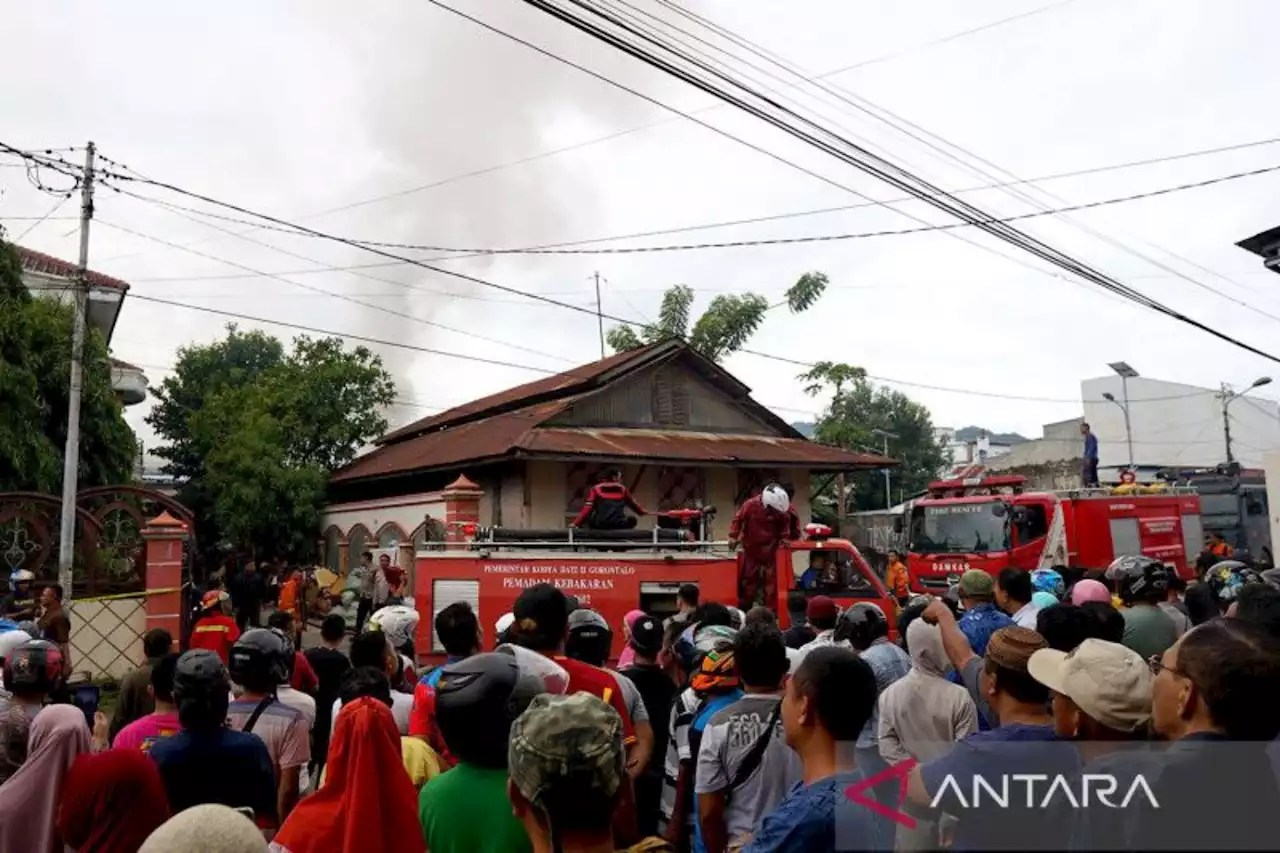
[555, 387]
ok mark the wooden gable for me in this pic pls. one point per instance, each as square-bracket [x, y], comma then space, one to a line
[670, 395]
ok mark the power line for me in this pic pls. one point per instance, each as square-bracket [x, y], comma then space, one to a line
[57, 205]
[548, 300]
[471, 251]
[864, 161]
[923, 136]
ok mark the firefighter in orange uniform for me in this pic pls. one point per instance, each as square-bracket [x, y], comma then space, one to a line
[215, 630]
[761, 524]
[897, 579]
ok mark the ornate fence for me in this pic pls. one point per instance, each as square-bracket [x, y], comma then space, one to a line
[109, 555]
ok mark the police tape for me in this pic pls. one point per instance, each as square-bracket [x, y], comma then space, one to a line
[123, 595]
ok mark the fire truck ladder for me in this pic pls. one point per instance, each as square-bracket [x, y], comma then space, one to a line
[1055, 543]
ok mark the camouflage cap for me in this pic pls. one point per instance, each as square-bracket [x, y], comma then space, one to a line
[566, 749]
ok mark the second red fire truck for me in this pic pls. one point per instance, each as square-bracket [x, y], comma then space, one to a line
[993, 522]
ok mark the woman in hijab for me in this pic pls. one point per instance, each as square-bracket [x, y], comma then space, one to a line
[365, 766]
[628, 656]
[207, 829]
[111, 802]
[29, 799]
[922, 715]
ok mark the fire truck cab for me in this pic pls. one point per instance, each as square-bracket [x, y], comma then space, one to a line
[614, 572]
[991, 523]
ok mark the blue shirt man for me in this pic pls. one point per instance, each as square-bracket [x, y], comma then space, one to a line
[1090, 467]
[981, 617]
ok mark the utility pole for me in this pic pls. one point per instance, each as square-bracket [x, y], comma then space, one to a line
[1226, 422]
[886, 435]
[599, 313]
[1228, 397]
[71, 453]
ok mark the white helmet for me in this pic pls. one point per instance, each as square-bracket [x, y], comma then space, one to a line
[775, 498]
[21, 575]
[398, 622]
[505, 621]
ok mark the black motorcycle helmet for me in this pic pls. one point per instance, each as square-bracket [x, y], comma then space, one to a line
[589, 639]
[1226, 579]
[34, 667]
[477, 700]
[199, 676]
[1139, 578]
[260, 659]
[862, 624]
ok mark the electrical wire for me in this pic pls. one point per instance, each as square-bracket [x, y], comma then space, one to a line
[473, 252]
[868, 163]
[935, 143]
[34, 225]
[580, 309]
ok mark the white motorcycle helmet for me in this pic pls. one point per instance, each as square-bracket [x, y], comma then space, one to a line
[21, 576]
[775, 498]
[398, 622]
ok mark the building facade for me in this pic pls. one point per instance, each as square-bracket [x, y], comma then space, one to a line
[53, 278]
[683, 431]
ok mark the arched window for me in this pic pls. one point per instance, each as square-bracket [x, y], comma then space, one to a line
[358, 542]
[332, 557]
[390, 536]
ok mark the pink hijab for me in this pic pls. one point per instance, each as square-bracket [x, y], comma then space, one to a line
[1089, 590]
[628, 656]
[29, 800]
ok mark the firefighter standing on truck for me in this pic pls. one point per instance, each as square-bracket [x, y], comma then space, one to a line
[606, 505]
[761, 524]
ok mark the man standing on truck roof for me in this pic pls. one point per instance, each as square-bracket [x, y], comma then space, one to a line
[761, 524]
[1089, 474]
[606, 505]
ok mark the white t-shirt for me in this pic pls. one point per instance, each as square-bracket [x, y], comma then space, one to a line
[1026, 616]
[401, 707]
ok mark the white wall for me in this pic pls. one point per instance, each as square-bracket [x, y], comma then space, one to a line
[1178, 425]
[407, 511]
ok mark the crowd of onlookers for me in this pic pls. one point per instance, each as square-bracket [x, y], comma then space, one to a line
[715, 730]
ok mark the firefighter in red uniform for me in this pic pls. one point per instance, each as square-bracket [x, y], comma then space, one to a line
[760, 526]
[606, 505]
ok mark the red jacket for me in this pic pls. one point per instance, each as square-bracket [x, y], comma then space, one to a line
[604, 506]
[215, 632]
[761, 529]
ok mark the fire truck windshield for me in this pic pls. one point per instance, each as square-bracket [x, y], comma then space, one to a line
[956, 528]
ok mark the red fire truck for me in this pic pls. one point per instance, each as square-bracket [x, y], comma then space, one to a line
[614, 572]
[991, 523]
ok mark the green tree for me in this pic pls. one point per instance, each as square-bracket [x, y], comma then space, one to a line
[724, 327]
[857, 418]
[35, 378]
[257, 432]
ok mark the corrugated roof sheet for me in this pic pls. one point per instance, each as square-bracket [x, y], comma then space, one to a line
[39, 262]
[694, 447]
[559, 384]
[518, 434]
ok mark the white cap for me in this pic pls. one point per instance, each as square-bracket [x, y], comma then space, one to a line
[1108, 681]
[505, 621]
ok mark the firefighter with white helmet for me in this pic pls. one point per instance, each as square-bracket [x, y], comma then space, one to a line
[761, 524]
[20, 603]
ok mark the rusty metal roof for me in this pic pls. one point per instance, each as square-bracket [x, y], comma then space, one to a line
[557, 386]
[518, 435]
[686, 446]
[39, 262]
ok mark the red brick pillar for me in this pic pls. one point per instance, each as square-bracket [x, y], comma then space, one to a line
[163, 537]
[461, 508]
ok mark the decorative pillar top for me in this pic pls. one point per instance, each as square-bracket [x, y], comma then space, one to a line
[463, 484]
[165, 524]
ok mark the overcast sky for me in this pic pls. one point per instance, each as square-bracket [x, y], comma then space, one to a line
[297, 108]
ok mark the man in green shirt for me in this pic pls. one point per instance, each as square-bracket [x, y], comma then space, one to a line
[1144, 583]
[466, 809]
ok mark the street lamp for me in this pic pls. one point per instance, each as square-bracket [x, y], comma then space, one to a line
[1227, 397]
[1126, 373]
[886, 435]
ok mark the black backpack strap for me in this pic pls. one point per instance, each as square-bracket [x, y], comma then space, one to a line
[753, 758]
[257, 712]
